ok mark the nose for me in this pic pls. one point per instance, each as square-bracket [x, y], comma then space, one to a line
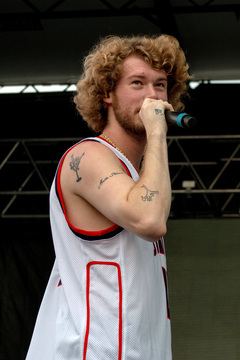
[151, 92]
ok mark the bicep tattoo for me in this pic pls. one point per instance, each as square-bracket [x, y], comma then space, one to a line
[108, 177]
[74, 165]
[149, 194]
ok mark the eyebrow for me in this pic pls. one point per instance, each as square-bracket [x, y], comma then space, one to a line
[143, 77]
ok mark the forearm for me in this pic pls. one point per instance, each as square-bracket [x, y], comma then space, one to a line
[155, 174]
[152, 194]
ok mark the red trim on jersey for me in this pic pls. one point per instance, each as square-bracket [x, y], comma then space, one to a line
[88, 305]
[128, 172]
[87, 235]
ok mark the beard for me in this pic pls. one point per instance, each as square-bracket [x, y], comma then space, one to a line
[126, 120]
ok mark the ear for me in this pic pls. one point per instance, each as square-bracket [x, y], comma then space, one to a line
[107, 98]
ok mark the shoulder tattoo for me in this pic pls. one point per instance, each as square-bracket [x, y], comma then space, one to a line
[74, 165]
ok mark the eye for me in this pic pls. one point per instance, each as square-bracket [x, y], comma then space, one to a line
[137, 82]
[160, 85]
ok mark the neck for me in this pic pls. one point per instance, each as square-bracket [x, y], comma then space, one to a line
[131, 145]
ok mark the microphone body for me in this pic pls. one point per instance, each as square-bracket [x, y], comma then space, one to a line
[183, 120]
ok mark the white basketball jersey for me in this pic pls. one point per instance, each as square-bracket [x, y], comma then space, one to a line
[107, 294]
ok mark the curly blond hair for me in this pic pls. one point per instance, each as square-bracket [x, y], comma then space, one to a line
[103, 66]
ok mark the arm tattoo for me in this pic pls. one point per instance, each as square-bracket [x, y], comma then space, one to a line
[74, 165]
[149, 194]
[158, 111]
[106, 178]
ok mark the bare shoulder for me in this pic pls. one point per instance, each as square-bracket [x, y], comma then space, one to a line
[90, 153]
[93, 149]
[87, 163]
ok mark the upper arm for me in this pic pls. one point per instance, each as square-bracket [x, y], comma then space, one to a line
[93, 172]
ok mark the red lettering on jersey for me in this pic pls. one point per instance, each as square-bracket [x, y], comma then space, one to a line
[158, 247]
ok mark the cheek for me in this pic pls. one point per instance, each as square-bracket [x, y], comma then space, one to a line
[164, 96]
[129, 103]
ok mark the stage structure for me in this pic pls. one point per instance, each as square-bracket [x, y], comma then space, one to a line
[204, 173]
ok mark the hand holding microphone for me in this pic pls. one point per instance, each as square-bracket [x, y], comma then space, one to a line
[161, 108]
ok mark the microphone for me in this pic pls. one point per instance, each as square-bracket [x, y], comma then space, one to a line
[183, 120]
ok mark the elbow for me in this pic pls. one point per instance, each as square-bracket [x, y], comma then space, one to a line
[152, 230]
[158, 231]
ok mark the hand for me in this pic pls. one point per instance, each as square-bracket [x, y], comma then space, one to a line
[152, 114]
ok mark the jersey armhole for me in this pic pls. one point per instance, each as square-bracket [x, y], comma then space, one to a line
[85, 234]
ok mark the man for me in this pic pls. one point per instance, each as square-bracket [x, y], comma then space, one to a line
[107, 294]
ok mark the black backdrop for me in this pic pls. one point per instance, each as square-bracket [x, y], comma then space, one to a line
[26, 259]
[54, 115]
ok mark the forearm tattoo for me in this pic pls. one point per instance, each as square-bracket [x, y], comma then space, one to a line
[149, 194]
[74, 165]
[108, 177]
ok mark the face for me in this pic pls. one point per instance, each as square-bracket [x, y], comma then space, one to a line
[137, 82]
